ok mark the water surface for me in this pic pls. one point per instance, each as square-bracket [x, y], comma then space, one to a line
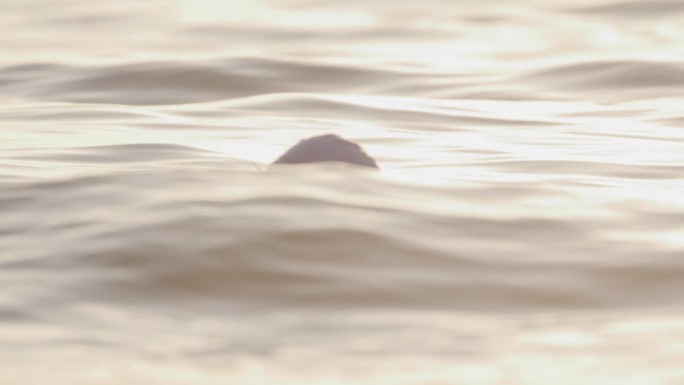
[525, 228]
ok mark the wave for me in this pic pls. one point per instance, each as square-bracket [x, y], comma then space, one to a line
[174, 82]
[181, 82]
[125, 153]
[632, 78]
[324, 237]
[635, 9]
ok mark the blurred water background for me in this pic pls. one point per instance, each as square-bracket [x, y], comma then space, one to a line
[526, 227]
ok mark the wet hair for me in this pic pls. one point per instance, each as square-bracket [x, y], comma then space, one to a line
[326, 148]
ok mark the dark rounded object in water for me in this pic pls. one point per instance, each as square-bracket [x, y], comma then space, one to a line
[326, 148]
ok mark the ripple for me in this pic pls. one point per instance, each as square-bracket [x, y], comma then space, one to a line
[182, 82]
[615, 170]
[142, 152]
[636, 9]
[630, 77]
[383, 109]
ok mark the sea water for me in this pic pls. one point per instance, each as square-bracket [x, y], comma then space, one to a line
[526, 226]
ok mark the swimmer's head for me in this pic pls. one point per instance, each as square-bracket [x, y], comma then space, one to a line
[326, 148]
